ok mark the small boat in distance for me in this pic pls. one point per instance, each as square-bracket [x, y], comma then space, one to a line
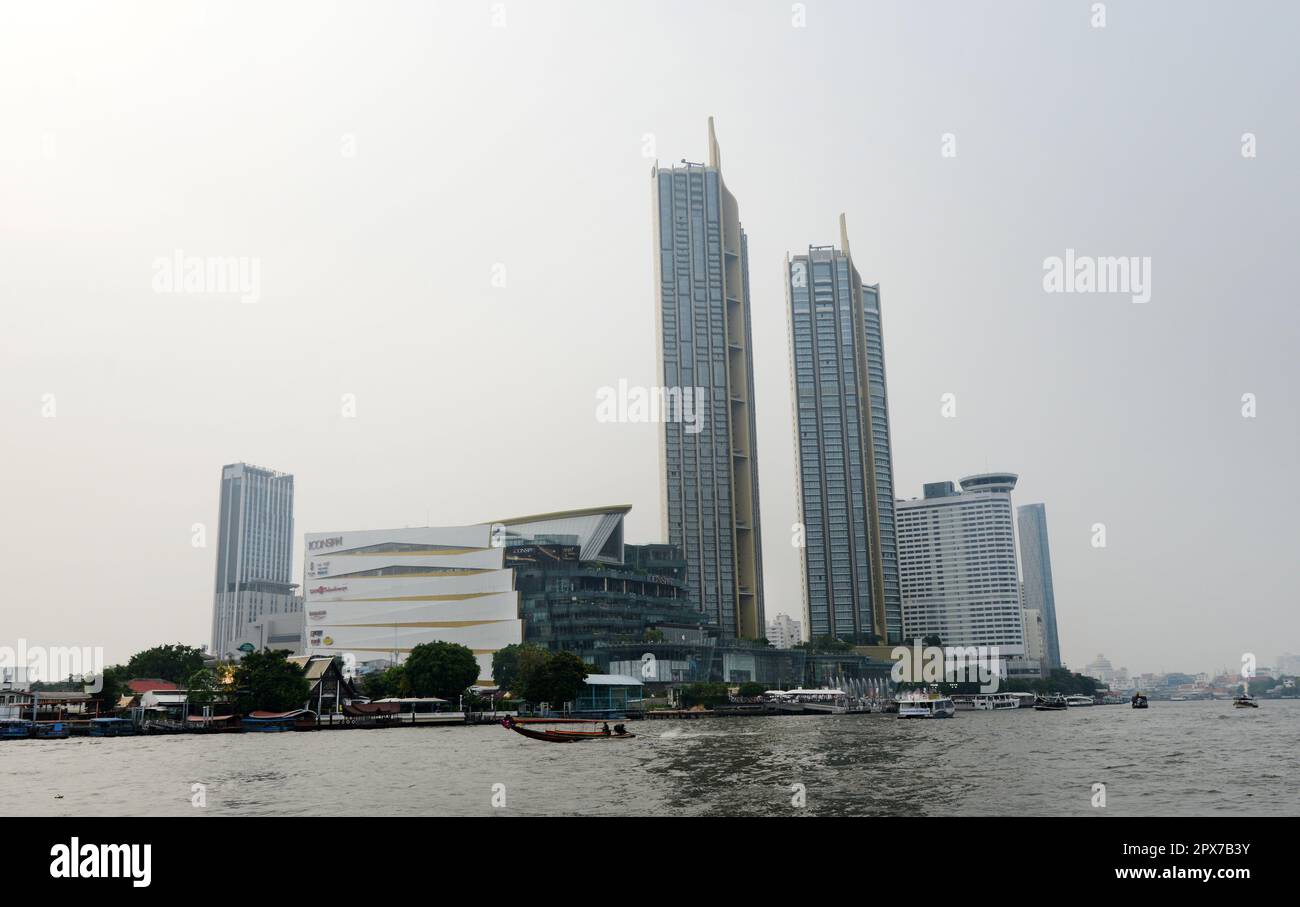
[1078, 700]
[1139, 701]
[1053, 703]
[1245, 701]
[556, 735]
[924, 704]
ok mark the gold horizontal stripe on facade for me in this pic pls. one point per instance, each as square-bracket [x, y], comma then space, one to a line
[447, 571]
[432, 623]
[406, 649]
[464, 596]
[414, 552]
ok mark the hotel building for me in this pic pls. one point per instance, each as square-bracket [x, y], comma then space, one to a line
[254, 553]
[844, 476]
[709, 475]
[957, 557]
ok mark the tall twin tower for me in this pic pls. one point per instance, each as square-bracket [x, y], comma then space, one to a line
[709, 471]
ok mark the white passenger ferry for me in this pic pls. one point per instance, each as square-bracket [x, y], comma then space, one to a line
[922, 704]
[994, 702]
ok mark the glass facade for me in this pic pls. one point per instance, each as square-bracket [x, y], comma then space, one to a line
[254, 551]
[1036, 562]
[710, 478]
[844, 462]
[583, 607]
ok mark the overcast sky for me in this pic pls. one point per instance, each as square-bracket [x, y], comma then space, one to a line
[381, 162]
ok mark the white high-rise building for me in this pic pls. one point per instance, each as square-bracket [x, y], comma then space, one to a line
[957, 560]
[784, 632]
[254, 553]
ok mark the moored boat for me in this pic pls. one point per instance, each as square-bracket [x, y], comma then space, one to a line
[1245, 701]
[995, 702]
[111, 727]
[551, 734]
[1139, 701]
[14, 729]
[923, 704]
[50, 730]
[298, 719]
[1078, 701]
[213, 724]
[1053, 703]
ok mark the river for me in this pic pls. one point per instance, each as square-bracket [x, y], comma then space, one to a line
[1175, 759]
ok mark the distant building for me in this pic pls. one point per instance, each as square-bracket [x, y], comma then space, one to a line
[254, 552]
[844, 475]
[957, 556]
[1036, 561]
[784, 632]
[1100, 668]
[1288, 664]
[280, 632]
[709, 469]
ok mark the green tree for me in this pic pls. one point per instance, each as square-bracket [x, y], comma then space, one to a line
[204, 687]
[390, 683]
[652, 634]
[510, 664]
[176, 663]
[530, 684]
[111, 686]
[751, 689]
[561, 678]
[268, 681]
[708, 695]
[442, 669]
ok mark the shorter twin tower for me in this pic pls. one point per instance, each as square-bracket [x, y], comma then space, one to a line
[844, 471]
[709, 478]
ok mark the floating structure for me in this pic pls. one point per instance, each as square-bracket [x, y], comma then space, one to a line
[925, 705]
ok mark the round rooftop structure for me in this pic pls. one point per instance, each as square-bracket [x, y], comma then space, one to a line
[989, 481]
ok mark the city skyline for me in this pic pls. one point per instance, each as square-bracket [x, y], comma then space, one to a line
[434, 317]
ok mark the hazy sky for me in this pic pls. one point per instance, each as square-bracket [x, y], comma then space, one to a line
[380, 160]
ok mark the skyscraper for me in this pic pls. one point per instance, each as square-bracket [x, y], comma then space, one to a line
[254, 551]
[844, 476]
[957, 554]
[708, 470]
[1036, 561]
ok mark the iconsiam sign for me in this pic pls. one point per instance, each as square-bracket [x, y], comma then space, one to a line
[947, 664]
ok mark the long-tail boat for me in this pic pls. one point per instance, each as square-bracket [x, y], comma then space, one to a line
[552, 735]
